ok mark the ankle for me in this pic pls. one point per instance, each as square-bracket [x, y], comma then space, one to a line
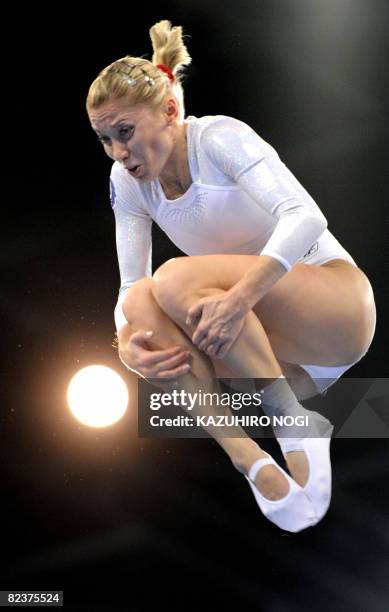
[243, 453]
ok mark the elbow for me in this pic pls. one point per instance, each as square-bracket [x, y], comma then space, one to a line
[323, 224]
[317, 224]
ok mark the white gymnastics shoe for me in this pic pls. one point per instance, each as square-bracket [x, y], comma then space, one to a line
[317, 452]
[293, 512]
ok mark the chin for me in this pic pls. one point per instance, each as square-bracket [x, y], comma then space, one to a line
[146, 178]
[149, 176]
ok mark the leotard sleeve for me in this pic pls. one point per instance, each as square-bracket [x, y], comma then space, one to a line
[235, 149]
[133, 237]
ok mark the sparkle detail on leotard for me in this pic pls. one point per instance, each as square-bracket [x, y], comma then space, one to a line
[244, 200]
[191, 214]
[136, 232]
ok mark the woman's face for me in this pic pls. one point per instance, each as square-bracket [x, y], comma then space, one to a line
[137, 137]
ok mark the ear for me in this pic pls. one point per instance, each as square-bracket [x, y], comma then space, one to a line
[171, 109]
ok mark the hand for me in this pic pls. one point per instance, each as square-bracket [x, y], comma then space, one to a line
[164, 364]
[219, 320]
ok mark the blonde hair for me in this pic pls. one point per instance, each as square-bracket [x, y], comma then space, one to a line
[139, 79]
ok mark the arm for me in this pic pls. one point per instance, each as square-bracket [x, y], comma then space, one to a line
[257, 281]
[133, 239]
[253, 164]
[123, 334]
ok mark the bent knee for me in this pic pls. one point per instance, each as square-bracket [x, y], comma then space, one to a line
[171, 284]
[170, 272]
[137, 296]
[139, 289]
[177, 284]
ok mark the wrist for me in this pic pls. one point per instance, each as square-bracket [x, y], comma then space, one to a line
[242, 301]
[123, 336]
[123, 356]
[258, 280]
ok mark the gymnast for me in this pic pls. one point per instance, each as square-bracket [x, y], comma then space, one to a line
[265, 290]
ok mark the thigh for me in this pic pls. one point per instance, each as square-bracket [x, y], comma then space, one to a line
[299, 380]
[321, 315]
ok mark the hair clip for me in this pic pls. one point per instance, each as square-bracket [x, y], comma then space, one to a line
[130, 81]
[148, 79]
[127, 74]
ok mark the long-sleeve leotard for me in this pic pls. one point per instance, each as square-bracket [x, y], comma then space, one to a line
[243, 199]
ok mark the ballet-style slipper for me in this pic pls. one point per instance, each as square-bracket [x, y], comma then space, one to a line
[293, 512]
[317, 452]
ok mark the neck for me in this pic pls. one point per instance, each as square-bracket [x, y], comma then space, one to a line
[176, 175]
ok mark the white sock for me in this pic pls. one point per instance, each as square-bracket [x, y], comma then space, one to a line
[313, 439]
[293, 512]
[278, 400]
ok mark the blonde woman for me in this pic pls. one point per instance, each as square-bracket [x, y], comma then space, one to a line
[266, 290]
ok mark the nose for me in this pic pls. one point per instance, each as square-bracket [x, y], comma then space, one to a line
[119, 151]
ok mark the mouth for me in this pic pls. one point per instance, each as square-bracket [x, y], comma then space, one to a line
[134, 170]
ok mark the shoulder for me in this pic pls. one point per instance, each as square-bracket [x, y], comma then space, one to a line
[122, 182]
[123, 187]
[214, 125]
[221, 129]
[121, 177]
[230, 144]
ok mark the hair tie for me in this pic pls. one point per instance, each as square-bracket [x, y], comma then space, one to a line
[167, 71]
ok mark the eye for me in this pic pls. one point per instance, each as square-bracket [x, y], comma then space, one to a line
[104, 140]
[126, 131]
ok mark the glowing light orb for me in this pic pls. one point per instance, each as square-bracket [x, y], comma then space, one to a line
[97, 396]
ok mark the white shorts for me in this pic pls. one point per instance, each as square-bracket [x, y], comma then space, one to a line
[325, 249]
[325, 376]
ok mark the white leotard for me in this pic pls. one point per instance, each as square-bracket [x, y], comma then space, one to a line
[243, 199]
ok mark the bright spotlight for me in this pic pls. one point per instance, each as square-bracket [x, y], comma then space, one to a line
[97, 396]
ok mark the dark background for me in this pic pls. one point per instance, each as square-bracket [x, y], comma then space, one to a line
[122, 523]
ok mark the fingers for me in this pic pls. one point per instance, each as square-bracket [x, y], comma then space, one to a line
[201, 336]
[208, 333]
[208, 341]
[216, 348]
[162, 364]
[164, 355]
[170, 374]
[223, 349]
[176, 361]
[141, 336]
[165, 369]
[194, 313]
